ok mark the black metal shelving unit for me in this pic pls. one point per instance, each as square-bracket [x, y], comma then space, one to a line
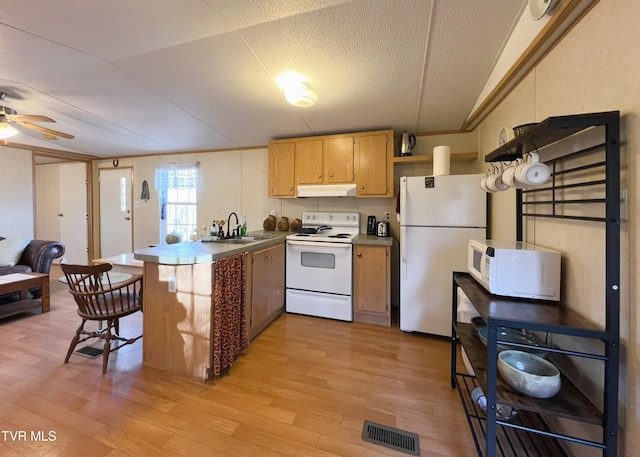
[596, 173]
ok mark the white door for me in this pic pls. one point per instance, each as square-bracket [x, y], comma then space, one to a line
[442, 201]
[320, 267]
[73, 215]
[116, 223]
[428, 258]
[47, 192]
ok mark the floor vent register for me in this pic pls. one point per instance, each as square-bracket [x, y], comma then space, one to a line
[391, 438]
[89, 352]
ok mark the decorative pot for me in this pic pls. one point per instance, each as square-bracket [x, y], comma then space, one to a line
[283, 224]
[269, 223]
[295, 225]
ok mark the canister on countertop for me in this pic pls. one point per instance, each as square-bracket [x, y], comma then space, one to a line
[383, 227]
[372, 225]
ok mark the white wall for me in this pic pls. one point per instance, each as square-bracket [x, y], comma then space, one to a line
[16, 189]
[230, 181]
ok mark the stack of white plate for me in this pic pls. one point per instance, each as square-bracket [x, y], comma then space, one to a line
[466, 312]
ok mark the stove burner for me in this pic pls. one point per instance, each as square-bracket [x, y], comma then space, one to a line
[340, 235]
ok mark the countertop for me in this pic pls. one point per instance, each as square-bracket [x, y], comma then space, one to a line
[190, 252]
[372, 239]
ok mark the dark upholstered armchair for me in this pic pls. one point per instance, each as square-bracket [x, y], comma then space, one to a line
[37, 257]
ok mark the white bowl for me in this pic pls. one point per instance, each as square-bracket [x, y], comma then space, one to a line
[529, 374]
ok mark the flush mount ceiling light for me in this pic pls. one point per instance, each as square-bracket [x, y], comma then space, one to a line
[301, 95]
[296, 90]
[6, 131]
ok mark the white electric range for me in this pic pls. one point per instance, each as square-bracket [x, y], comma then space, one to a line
[319, 265]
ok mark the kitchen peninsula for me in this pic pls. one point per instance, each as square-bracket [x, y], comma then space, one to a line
[180, 301]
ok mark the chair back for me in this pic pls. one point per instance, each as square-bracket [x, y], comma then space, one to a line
[96, 297]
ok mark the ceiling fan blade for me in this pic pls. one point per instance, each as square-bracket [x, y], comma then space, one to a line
[28, 118]
[46, 130]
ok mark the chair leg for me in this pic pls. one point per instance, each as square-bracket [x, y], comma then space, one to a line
[74, 341]
[107, 346]
[117, 326]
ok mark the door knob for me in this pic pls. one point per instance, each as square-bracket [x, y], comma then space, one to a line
[127, 218]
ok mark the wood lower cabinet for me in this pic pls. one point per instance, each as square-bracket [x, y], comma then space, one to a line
[267, 288]
[281, 169]
[177, 325]
[373, 160]
[371, 284]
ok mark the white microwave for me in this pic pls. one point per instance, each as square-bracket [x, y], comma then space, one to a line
[515, 269]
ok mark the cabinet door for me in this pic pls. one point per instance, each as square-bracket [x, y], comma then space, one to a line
[373, 156]
[259, 290]
[371, 266]
[308, 158]
[337, 158]
[281, 170]
[276, 280]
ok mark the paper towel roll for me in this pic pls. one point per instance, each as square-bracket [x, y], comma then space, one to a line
[441, 160]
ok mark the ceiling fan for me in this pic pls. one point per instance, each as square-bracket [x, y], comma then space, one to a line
[10, 116]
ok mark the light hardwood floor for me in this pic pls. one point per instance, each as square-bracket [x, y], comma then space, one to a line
[303, 388]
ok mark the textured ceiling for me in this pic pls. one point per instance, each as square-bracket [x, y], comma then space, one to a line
[158, 76]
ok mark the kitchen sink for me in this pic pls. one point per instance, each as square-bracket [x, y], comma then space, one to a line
[235, 241]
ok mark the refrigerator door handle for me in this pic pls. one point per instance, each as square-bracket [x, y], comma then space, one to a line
[403, 254]
[403, 200]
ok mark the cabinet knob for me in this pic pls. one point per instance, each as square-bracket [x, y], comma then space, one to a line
[319, 176]
[359, 254]
[362, 186]
[330, 175]
[290, 188]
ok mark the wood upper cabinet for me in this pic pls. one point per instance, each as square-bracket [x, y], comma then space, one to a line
[267, 287]
[337, 160]
[373, 162]
[308, 158]
[281, 169]
[363, 158]
[327, 160]
[372, 284]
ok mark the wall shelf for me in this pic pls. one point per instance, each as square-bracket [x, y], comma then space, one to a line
[419, 159]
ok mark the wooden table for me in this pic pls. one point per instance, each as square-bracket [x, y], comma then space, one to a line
[22, 282]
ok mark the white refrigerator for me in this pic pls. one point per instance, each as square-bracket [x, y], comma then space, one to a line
[438, 216]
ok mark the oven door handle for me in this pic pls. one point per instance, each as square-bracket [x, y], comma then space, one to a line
[318, 244]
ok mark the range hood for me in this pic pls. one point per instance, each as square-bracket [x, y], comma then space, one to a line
[327, 190]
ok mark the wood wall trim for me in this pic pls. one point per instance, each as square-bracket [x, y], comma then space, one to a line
[568, 14]
[49, 152]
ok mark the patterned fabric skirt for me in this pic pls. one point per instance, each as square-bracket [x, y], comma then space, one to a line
[230, 331]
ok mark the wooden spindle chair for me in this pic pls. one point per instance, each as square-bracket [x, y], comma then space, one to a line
[99, 300]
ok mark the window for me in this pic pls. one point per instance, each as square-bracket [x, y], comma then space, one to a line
[178, 186]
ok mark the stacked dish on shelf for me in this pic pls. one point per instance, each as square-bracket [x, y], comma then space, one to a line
[525, 370]
[529, 374]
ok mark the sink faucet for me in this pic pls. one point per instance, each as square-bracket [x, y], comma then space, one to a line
[235, 231]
